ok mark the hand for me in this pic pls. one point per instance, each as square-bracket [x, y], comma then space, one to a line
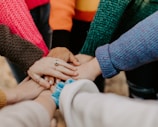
[49, 66]
[64, 54]
[89, 70]
[82, 58]
[26, 90]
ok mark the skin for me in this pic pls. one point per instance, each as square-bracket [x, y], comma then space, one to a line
[26, 90]
[46, 67]
[87, 70]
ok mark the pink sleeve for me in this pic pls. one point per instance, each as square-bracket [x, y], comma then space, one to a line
[15, 14]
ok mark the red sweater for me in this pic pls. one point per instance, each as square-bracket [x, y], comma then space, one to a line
[35, 3]
[15, 15]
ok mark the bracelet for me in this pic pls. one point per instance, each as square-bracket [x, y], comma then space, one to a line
[58, 89]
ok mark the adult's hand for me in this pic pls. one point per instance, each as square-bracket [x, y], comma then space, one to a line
[89, 70]
[26, 90]
[64, 54]
[49, 66]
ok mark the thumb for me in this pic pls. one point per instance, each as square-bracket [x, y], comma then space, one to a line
[74, 60]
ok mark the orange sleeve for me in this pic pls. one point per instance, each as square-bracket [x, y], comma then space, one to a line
[61, 14]
[3, 100]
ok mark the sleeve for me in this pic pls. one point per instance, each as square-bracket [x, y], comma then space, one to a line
[16, 15]
[103, 26]
[18, 50]
[83, 106]
[136, 47]
[61, 14]
[24, 114]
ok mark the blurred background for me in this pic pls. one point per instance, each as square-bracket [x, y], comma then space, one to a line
[6, 77]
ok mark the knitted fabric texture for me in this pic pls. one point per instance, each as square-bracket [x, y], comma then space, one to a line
[15, 14]
[18, 50]
[136, 47]
[58, 89]
[113, 18]
[35, 3]
[3, 100]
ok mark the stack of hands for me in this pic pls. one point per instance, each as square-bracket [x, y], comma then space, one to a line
[61, 64]
[47, 76]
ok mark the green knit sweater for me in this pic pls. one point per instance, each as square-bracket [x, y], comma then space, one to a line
[113, 18]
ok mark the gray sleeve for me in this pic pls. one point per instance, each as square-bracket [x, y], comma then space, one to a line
[24, 114]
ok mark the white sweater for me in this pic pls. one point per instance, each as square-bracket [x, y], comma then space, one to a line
[83, 106]
[24, 114]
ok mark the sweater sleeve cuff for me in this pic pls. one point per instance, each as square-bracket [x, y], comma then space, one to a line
[103, 57]
[61, 38]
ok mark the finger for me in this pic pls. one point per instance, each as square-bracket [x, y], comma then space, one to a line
[58, 74]
[57, 80]
[52, 88]
[51, 80]
[53, 122]
[43, 83]
[66, 71]
[63, 63]
[39, 80]
[74, 60]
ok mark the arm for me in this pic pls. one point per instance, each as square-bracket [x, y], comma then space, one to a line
[18, 50]
[21, 23]
[136, 47]
[37, 113]
[104, 25]
[60, 20]
[83, 106]
[26, 90]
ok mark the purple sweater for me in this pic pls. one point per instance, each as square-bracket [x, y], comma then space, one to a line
[136, 47]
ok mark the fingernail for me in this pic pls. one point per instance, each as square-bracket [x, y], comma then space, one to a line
[51, 82]
[46, 78]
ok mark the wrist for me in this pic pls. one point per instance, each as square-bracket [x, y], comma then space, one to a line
[11, 96]
[48, 103]
[97, 70]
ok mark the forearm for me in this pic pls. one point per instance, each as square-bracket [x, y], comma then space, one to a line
[18, 50]
[81, 100]
[61, 15]
[104, 25]
[136, 47]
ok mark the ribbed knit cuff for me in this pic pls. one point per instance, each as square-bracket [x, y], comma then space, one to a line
[61, 38]
[103, 57]
[3, 99]
[105, 23]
